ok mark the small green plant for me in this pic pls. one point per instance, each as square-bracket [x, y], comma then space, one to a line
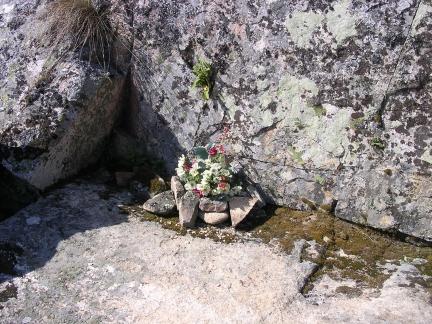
[78, 25]
[203, 72]
[378, 143]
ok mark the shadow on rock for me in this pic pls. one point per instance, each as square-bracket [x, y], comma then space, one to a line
[30, 238]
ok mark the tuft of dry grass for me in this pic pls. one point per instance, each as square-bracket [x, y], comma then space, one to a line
[78, 25]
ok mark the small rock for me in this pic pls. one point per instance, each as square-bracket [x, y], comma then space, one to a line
[123, 178]
[213, 205]
[240, 207]
[188, 209]
[162, 204]
[213, 218]
[177, 188]
[157, 185]
[254, 192]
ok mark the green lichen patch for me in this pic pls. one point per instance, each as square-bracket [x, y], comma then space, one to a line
[319, 110]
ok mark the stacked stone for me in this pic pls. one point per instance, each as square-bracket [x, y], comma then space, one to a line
[211, 210]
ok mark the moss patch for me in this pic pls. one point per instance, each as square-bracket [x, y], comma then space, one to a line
[346, 250]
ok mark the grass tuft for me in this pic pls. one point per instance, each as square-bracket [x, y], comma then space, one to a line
[79, 25]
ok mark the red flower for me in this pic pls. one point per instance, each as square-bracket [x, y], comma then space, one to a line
[213, 151]
[198, 192]
[187, 166]
[222, 185]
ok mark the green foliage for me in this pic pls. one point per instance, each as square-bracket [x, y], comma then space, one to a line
[78, 25]
[201, 152]
[203, 72]
[378, 143]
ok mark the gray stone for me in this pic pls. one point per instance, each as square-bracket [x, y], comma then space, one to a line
[304, 98]
[162, 204]
[254, 192]
[177, 188]
[123, 178]
[212, 205]
[188, 209]
[214, 218]
[64, 271]
[310, 106]
[240, 207]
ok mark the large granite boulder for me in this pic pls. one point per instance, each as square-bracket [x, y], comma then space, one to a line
[325, 101]
[56, 110]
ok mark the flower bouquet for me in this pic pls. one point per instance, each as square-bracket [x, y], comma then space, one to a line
[207, 172]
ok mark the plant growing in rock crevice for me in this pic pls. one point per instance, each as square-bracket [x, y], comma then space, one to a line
[203, 72]
[72, 25]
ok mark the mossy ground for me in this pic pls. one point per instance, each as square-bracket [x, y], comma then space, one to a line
[346, 251]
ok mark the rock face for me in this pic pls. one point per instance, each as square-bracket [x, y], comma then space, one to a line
[162, 204]
[55, 114]
[324, 101]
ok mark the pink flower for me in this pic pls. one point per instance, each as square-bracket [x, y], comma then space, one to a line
[213, 151]
[220, 149]
[223, 178]
[198, 192]
[222, 185]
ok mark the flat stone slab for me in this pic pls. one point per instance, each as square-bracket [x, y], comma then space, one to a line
[67, 272]
[188, 209]
[162, 204]
[240, 207]
[212, 205]
[214, 218]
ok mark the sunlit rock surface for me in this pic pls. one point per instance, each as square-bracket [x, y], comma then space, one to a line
[86, 253]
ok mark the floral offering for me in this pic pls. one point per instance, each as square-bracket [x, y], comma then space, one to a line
[207, 173]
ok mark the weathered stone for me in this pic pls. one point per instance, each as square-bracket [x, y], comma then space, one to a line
[240, 207]
[310, 106]
[157, 185]
[63, 270]
[254, 192]
[214, 218]
[56, 110]
[212, 205]
[306, 100]
[123, 178]
[188, 209]
[162, 204]
[177, 188]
